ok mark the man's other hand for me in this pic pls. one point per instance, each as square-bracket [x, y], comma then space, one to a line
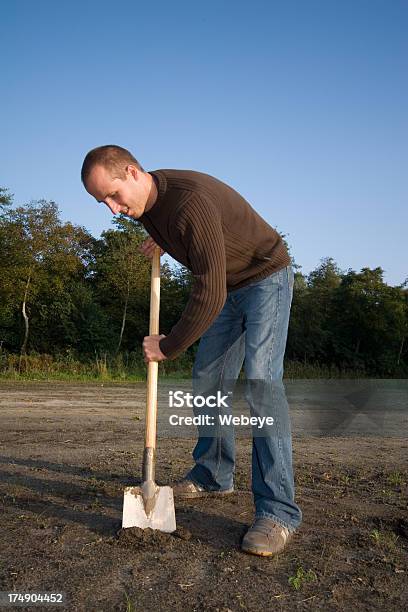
[151, 349]
[148, 246]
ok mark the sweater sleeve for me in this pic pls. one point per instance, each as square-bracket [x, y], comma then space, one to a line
[201, 232]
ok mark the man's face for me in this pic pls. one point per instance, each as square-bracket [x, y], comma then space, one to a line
[126, 196]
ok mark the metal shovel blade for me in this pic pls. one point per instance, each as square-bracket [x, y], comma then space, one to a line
[162, 516]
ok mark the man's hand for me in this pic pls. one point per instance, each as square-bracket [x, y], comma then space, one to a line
[151, 348]
[148, 246]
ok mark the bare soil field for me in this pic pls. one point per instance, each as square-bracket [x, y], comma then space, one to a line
[67, 452]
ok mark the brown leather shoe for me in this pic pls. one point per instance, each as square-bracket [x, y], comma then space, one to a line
[265, 538]
[186, 489]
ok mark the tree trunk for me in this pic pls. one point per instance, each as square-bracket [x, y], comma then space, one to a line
[26, 323]
[124, 317]
[400, 351]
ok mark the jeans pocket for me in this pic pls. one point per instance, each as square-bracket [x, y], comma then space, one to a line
[276, 278]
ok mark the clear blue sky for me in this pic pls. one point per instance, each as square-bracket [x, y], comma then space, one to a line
[299, 105]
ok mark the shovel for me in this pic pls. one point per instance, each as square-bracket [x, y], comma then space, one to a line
[150, 505]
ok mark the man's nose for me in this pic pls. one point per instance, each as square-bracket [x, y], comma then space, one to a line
[113, 206]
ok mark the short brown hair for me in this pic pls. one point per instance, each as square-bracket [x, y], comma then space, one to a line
[112, 157]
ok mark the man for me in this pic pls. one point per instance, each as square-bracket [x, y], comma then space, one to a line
[239, 307]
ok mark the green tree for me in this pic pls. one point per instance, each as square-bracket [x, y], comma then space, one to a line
[370, 321]
[42, 258]
[310, 333]
[122, 275]
[6, 198]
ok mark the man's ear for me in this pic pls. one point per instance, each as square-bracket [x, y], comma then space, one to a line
[133, 171]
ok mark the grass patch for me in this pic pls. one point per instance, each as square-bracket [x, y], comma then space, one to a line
[301, 578]
[385, 539]
[129, 605]
[130, 367]
[396, 479]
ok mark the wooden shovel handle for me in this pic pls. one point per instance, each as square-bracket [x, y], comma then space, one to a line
[153, 366]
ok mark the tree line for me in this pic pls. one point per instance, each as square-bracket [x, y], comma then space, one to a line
[63, 290]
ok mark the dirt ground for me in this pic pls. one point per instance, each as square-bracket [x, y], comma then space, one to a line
[67, 452]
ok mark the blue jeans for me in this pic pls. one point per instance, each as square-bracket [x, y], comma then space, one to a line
[251, 329]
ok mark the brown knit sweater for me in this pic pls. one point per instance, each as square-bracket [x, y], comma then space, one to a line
[209, 228]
